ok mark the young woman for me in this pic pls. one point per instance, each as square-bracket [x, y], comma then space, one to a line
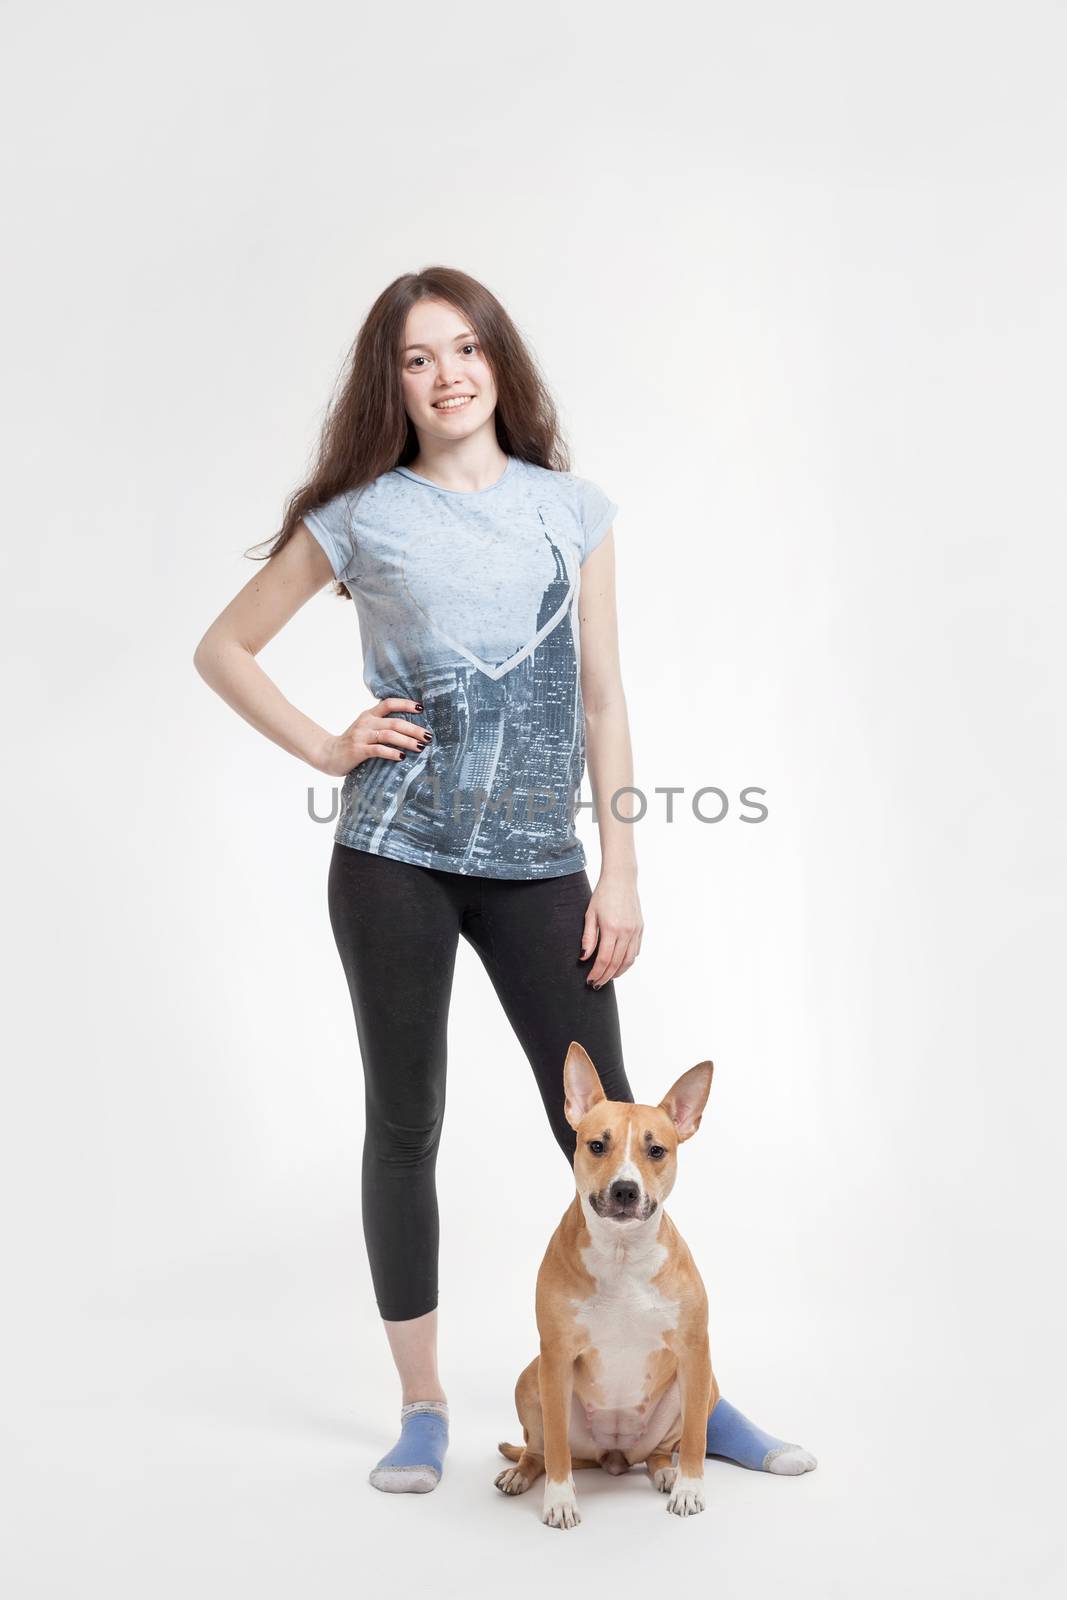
[482, 572]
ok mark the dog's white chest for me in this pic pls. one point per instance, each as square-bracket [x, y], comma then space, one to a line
[625, 1318]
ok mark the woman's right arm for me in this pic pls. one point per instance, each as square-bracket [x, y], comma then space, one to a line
[226, 660]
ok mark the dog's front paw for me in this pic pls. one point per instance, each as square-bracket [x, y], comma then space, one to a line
[561, 1505]
[663, 1479]
[688, 1496]
[511, 1481]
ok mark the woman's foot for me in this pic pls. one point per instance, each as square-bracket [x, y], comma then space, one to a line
[415, 1463]
[731, 1434]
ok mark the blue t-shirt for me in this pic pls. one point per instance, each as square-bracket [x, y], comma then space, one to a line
[468, 601]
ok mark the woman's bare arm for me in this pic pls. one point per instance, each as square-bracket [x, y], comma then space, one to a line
[226, 660]
[610, 758]
[614, 911]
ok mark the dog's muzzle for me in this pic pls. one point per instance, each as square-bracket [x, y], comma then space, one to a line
[623, 1201]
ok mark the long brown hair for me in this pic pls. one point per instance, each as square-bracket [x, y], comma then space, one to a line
[367, 430]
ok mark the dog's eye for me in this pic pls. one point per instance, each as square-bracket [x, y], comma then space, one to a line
[597, 1146]
[656, 1151]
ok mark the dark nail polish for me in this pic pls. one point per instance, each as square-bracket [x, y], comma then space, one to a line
[403, 753]
[418, 705]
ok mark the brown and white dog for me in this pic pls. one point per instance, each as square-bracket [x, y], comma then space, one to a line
[624, 1374]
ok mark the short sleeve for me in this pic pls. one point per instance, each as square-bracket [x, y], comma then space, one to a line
[331, 526]
[597, 514]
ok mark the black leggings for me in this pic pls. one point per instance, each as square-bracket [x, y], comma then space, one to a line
[398, 925]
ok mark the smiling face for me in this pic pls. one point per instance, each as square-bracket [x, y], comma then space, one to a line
[448, 388]
[626, 1162]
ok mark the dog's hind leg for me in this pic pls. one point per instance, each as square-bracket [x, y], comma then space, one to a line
[661, 1471]
[530, 1460]
[517, 1479]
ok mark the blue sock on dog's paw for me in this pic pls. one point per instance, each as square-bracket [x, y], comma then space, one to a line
[731, 1434]
[415, 1463]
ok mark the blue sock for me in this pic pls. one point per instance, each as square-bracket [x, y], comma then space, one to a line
[415, 1463]
[731, 1434]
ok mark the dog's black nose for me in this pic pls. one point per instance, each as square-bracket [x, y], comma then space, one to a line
[624, 1192]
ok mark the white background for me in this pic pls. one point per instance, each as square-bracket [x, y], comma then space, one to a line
[796, 277]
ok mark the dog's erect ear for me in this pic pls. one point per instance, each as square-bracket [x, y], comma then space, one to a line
[581, 1085]
[684, 1102]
